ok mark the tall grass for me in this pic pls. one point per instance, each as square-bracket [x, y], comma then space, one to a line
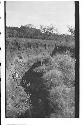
[58, 77]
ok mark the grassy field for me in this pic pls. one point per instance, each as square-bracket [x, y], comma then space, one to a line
[40, 79]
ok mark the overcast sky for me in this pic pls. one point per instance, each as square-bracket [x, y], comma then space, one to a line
[60, 14]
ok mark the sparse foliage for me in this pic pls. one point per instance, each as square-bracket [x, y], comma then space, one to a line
[71, 30]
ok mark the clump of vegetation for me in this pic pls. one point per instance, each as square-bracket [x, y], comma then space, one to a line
[62, 101]
[66, 64]
[17, 101]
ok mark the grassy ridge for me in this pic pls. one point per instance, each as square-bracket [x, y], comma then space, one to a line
[70, 43]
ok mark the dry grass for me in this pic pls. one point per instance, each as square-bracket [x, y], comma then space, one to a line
[58, 76]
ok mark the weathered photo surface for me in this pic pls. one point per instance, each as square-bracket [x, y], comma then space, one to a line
[40, 59]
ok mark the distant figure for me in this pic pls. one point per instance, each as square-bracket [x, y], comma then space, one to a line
[54, 50]
[45, 46]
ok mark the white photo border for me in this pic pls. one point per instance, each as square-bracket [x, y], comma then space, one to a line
[38, 121]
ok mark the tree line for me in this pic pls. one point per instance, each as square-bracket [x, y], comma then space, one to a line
[29, 31]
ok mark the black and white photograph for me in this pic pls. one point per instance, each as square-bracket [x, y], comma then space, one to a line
[41, 55]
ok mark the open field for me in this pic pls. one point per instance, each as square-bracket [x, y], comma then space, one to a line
[40, 78]
[70, 43]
